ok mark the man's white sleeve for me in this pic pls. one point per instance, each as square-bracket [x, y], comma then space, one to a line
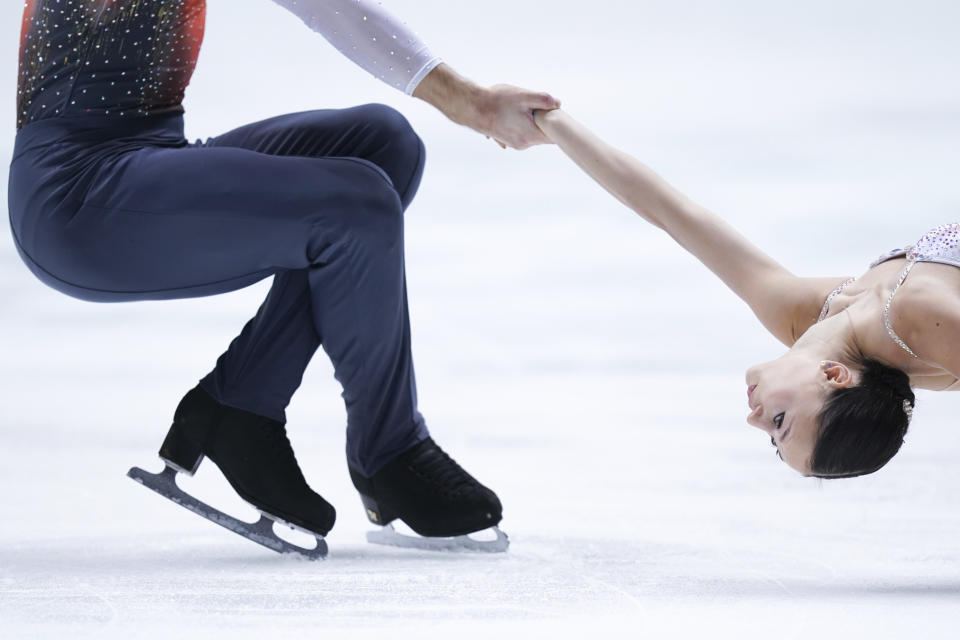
[375, 40]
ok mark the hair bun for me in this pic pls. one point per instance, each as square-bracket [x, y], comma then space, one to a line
[876, 374]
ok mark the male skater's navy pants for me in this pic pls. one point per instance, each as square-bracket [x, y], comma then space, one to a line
[115, 210]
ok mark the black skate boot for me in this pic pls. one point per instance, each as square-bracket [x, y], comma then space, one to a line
[255, 457]
[434, 496]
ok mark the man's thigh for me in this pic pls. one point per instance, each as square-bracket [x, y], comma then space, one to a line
[167, 223]
[373, 132]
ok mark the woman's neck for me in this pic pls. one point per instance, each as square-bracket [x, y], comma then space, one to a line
[832, 339]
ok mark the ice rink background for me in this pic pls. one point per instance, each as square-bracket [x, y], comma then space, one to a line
[568, 355]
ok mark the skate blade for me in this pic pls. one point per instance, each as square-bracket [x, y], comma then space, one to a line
[391, 537]
[261, 531]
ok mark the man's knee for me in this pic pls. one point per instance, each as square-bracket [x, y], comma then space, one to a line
[400, 151]
[391, 125]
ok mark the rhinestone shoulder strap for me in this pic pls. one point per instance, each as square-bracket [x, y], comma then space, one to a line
[833, 294]
[886, 311]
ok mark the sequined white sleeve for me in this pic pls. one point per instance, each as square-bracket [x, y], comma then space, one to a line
[372, 38]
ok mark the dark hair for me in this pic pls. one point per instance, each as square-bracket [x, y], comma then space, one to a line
[861, 428]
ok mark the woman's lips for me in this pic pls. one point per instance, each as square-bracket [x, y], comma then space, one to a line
[750, 393]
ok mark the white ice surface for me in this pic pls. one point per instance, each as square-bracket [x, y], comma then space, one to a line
[567, 354]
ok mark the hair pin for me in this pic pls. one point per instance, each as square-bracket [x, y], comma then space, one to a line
[908, 409]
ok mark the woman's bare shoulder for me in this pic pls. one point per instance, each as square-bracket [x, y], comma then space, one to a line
[928, 320]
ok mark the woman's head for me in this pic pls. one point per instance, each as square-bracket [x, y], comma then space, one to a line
[861, 427]
[829, 419]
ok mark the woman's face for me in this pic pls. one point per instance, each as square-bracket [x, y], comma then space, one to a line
[785, 397]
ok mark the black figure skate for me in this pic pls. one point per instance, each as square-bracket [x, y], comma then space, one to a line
[256, 458]
[434, 496]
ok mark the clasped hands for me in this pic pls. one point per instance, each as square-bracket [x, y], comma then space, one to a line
[502, 112]
[510, 116]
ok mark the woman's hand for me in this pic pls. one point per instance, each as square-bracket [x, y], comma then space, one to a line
[548, 120]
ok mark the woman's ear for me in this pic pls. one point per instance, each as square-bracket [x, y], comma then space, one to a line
[838, 374]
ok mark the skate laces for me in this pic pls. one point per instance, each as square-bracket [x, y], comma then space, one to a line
[440, 469]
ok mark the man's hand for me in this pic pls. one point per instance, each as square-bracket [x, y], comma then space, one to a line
[502, 112]
[510, 111]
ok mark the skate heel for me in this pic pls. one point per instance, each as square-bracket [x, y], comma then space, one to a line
[194, 421]
[375, 513]
[179, 452]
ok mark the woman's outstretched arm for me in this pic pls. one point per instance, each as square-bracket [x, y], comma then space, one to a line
[784, 303]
